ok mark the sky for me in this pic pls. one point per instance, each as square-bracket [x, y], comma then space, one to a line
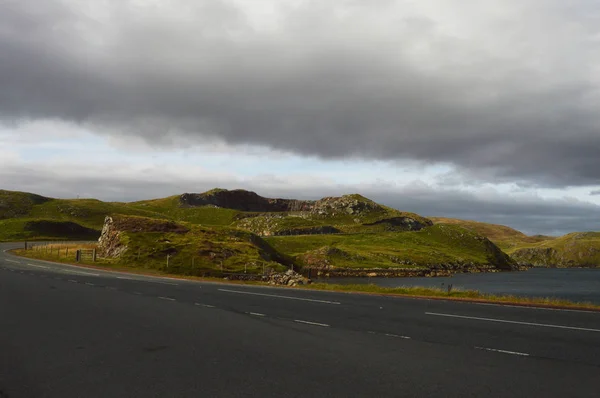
[476, 109]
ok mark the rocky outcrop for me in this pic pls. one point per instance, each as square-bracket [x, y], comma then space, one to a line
[325, 229]
[110, 243]
[243, 200]
[401, 224]
[288, 278]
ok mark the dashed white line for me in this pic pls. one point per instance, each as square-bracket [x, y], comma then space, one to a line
[255, 313]
[90, 284]
[279, 296]
[514, 322]
[12, 261]
[204, 305]
[522, 354]
[312, 323]
[166, 298]
[73, 281]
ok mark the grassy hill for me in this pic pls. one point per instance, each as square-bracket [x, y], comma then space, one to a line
[505, 237]
[579, 249]
[29, 216]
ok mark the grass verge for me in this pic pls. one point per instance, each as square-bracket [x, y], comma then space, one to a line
[404, 291]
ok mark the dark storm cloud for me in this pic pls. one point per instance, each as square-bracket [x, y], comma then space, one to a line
[498, 96]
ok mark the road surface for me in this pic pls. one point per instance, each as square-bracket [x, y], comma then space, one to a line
[73, 332]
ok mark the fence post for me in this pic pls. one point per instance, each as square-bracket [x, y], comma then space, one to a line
[25, 245]
[94, 255]
[168, 257]
[78, 255]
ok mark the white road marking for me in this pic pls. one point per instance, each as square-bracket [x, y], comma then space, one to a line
[12, 261]
[89, 284]
[514, 322]
[38, 266]
[255, 313]
[397, 336]
[537, 308]
[312, 323]
[523, 354]
[166, 298]
[205, 305]
[81, 273]
[278, 296]
[146, 280]
[73, 281]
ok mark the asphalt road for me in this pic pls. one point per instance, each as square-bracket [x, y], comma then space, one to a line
[73, 332]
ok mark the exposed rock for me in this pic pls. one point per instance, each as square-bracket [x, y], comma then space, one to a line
[402, 224]
[110, 244]
[243, 200]
[288, 278]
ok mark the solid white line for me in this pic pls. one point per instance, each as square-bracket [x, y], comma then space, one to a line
[282, 297]
[536, 308]
[38, 266]
[146, 280]
[523, 354]
[12, 261]
[312, 323]
[80, 273]
[514, 322]
[205, 305]
[255, 313]
[397, 336]
[166, 298]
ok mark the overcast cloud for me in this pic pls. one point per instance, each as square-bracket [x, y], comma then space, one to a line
[496, 91]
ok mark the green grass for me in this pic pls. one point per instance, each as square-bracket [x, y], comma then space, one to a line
[432, 245]
[457, 294]
[412, 291]
[503, 236]
[20, 229]
[578, 249]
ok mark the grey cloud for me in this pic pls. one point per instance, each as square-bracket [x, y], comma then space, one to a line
[330, 79]
[595, 192]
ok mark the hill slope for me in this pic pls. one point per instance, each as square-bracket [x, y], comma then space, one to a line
[579, 249]
[344, 233]
[503, 236]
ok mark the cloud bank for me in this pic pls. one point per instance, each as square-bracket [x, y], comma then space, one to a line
[502, 90]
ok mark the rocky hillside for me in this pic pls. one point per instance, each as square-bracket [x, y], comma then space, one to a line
[580, 249]
[191, 249]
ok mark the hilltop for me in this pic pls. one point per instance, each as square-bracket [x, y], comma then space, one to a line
[503, 236]
[345, 235]
[578, 249]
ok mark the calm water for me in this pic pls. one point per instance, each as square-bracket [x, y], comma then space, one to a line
[571, 284]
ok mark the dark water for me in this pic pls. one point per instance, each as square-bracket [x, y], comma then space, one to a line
[570, 284]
